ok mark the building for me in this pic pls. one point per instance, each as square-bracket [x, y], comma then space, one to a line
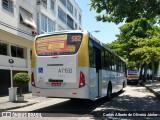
[58, 15]
[20, 21]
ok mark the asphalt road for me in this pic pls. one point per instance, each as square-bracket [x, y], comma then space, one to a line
[132, 99]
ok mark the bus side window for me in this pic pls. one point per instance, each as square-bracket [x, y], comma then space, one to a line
[112, 62]
[103, 58]
[107, 60]
[91, 54]
[122, 67]
[118, 65]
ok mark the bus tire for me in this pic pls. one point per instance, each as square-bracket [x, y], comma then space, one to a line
[123, 86]
[109, 92]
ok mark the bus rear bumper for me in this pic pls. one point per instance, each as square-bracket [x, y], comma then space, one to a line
[61, 93]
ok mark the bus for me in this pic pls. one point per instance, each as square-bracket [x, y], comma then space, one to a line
[133, 76]
[73, 64]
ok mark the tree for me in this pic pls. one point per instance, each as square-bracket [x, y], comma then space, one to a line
[138, 42]
[125, 10]
[21, 79]
[149, 48]
[127, 40]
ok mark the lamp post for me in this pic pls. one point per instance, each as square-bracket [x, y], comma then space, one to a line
[12, 89]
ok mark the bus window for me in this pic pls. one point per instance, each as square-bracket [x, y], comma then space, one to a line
[103, 59]
[118, 65]
[107, 59]
[115, 63]
[112, 65]
[98, 60]
[64, 44]
[91, 54]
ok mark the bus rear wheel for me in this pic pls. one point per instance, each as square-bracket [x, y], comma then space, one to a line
[123, 86]
[109, 91]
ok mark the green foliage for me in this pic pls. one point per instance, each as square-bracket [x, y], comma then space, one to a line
[21, 78]
[149, 47]
[119, 10]
[138, 42]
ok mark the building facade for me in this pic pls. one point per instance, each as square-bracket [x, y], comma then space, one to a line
[20, 21]
[58, 15]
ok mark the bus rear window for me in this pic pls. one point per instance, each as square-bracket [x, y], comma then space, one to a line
[62, 44]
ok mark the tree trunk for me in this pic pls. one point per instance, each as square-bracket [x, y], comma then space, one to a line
[145, 72]
[152, 62]
[140, 76]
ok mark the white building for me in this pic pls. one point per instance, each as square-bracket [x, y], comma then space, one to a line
[20, 21]
[58, 15]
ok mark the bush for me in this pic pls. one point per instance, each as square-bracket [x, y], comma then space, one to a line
[21, 79]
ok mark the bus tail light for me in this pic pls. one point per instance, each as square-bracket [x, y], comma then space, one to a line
[82, 82]
[32, 80]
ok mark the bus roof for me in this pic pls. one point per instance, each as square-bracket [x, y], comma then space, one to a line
[63, 31]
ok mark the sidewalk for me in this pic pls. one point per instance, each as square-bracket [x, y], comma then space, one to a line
[5, 104]
[153, 86]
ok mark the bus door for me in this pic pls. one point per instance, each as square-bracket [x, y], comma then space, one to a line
[98, 65]
[94, 59]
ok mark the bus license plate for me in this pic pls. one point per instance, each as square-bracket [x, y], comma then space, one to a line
[56, 84]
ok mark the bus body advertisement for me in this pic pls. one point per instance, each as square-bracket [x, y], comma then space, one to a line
[73, 64]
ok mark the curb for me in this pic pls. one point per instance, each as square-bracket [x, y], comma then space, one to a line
[154, 92]
[151, 90]
[20, 106]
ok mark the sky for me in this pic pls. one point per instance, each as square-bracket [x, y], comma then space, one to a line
[107, 30]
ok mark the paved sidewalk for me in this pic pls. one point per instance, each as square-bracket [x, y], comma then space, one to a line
[153, 86]
[5, 104]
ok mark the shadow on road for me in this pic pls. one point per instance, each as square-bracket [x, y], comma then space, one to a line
[75, 107]
[134, 98]
[137, 100]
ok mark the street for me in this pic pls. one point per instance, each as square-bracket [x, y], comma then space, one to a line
[132, 98]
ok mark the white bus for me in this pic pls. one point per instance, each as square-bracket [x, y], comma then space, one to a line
[74, 64]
